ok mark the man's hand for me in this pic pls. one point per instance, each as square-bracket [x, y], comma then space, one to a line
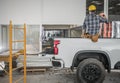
[102, 15]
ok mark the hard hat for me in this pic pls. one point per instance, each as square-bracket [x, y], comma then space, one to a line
[92, 8]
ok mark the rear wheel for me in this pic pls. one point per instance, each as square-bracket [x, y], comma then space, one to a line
[90, 71]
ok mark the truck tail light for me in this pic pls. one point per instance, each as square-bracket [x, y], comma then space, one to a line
[56, 42]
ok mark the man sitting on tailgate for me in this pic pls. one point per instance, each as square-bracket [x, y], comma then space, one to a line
[92, 22]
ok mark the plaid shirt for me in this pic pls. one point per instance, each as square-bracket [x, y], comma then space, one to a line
[92, 23]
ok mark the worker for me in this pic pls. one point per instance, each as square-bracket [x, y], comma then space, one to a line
[92, 22]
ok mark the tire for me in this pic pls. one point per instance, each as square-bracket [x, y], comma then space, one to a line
[117, 65]
[90, 71]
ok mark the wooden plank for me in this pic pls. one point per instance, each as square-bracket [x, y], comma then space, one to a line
[35, 70]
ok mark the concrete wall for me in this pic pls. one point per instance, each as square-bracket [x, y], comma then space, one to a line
[42, 11]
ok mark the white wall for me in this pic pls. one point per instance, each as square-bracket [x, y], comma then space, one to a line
[42, 11]
[20, 11]
[64, 11]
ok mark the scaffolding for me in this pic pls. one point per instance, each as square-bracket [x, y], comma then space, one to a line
[7, 57]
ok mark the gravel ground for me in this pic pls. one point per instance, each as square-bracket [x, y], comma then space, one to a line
[58, 76]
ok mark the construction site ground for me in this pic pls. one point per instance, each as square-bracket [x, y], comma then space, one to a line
[57, 76]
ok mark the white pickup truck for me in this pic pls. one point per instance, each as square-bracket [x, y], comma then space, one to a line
[91, 59]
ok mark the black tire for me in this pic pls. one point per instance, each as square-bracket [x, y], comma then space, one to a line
[117, 65]
[90, 71]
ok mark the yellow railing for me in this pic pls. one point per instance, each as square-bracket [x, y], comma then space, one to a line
[11, 54]
[10, 49]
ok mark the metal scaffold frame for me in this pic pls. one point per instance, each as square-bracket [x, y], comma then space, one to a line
[16, 54]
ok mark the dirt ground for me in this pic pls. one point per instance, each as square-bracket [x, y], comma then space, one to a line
[57, 76]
